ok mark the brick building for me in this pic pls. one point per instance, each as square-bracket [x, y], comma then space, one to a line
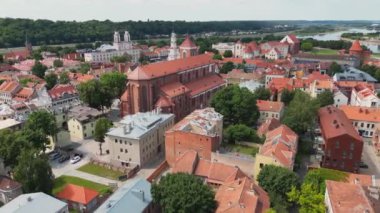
[178, 86]
[200, 131]
[342, 145]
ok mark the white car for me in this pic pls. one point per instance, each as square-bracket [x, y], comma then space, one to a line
[75, 159]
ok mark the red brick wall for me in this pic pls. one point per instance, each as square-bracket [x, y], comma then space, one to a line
[178, 142]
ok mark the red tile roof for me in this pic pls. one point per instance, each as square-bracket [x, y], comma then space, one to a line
[159, 69]
[188, 43]
[7, 184]
[359, 113]
[163, 102]
[174, 89]
[268, 125]
[334, 123]
[9, 86]
[281, 143]
[356, 46]
[24, 94]
[294, 38]
[241, 196]
[271, 106]
[60, 89]
[205, 84]
[78, 194]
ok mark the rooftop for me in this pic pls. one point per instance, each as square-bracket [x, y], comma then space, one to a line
[83, 113]
[59, 90]
[78, 194]
[359, 113]
[4, 124]
[268, 125]
[7, 184]
[271, 106]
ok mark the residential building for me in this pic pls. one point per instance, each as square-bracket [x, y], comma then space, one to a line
[223, 47]
[273, 54]
[179, 86]
[201, 131]
[79, 198]
[341, 144]
[139, 139]
[281, 49]
[35, 203]
[273, 73]
[241, 195]
[64, 96]
[251, 85]
[364, 119]
[346, 87]
[237, 76]
[280, 149]
[268, 125]
[319, 86]
[294, 43]
[9, 189]
[213, 173]
[343, 197]
[8, 89]
[340, 98]
[134, 196]
[352, 74]
[81, 122]
[376, 141]
[277, 85]
[364, 96]
[270, 109]
[11, 124]
[25, 94]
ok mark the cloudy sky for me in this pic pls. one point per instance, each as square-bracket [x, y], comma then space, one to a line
[190, 10]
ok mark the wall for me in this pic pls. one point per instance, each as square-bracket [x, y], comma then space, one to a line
[264, 160]
[80, 130]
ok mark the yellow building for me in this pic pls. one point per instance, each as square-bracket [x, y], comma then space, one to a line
[81, 123]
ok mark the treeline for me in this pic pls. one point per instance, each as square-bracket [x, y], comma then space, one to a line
[331, 44]
[46, 32]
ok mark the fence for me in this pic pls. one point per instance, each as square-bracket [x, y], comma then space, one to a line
[128, 172]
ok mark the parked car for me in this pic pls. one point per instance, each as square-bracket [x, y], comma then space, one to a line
[75, 159]
[78, 154]
[55, 156]
[64, 158]
[363, 165]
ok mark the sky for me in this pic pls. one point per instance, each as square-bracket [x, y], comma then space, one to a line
[191, 10]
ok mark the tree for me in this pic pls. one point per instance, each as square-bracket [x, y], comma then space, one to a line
[121, 59]
[301, 112]
[64, 78]
[217, 57]
[39, 69]
[182, 192]
[237, 105]
[287, 96]
[102, 126]
[277, 181]
[35, 138]
[308, 199]
[227, 54]
[262, 93]
[84, 68]
[34, 172]
[44, 121]
[57, 63]
[325, 98]
[51, 80]
[11, 145]
[37, 56]
[95, 95]
[334, 68]
[227, 67]
[240, 132]
[114, 82]
[306, 46]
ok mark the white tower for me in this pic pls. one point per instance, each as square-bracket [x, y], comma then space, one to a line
[127, 37]
[116, 37]
[173, 51]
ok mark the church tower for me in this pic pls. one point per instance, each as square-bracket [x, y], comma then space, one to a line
[28, 45]
[116, 37]
[173, 51]
[127, 36]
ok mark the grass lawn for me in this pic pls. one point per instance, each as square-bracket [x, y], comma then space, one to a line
[330, 174]
[324, 51]
[244, 149]
[61, 182]
[100, 171]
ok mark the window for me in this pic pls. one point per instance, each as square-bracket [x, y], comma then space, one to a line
[352, 146]
[121, 150]
[368, 125]
[115, 140]
[344, 154]
[126, 150]
[337, 144]
[350, 156]
[373, 126]
[362, 125]
[261, 165]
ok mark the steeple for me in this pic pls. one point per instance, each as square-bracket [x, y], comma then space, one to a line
[28, 45]
[116, 37]
[173, 40]
[173, 51]
[127, 36]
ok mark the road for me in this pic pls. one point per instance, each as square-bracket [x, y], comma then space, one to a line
[372, 160]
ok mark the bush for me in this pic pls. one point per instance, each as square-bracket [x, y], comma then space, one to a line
[241, 132]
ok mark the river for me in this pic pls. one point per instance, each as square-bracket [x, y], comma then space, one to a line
[336, 36]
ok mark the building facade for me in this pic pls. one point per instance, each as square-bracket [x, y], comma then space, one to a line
[270, 109]
[364, 96]
[81, 121]
[364, 119]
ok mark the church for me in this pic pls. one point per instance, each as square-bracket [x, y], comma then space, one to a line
[186, 49]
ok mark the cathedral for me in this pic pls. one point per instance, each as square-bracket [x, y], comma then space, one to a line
[186, 49]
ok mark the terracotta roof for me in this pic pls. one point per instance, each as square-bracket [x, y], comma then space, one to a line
[362, 179]
[60, 89]
[205, 84]
[275, 71]
[241, 196]
[7, 184]
[188, 43]
[293, 38]
[159, 69]
[271, 106]
[268, 125]
[364, 92]
[315, 75]
[324, 84]
[174, 89]
[281, 143]
[163, 102]
[356, 46]
[359, 113]
[24, 94]
[346, 197]
[240, 74]
[9, 86]
[334, 123]
[352, 84]
[78, 194]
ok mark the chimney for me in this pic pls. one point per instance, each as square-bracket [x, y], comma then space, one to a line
[29, 199]
[139, 194]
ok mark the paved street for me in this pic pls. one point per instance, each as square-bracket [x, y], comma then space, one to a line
[369, 157]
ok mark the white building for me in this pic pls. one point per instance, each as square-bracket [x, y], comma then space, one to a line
[173, 50]
[340, 98]
[106, 52]
[319, 86]
[223, 47]
[139, 139]
[364, 96]
[364, 119]
[273, 54]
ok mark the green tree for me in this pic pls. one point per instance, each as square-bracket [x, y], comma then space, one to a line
[57, 63]
[182, 192]
[325, 98]
[102, 126]
[64, 78]
[11, 145]
[237, 105]
[51, 80]
[262, 93]
[306, 46]
[39, 69]
[217, 57]
[84, 68]
[277, 181]
[37, 56]
[301, 112]
[240, 132]
[227, 67]
[36, 138]
[287, 96]
[228, 54]
[334, 68]
[308, 199]
[95, 95]
[114, 82]
[121, 59]
[44, 121]
[34, 172]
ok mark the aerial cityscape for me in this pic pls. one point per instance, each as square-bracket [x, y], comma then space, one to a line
[152, 106]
